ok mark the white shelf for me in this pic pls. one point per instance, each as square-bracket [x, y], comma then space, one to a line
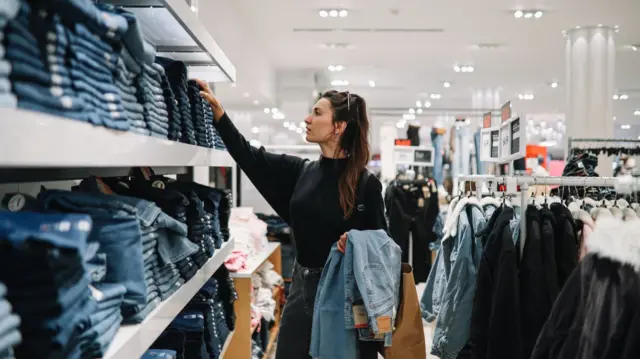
[132, 341]
[34, 139]
[172, 25]
[256, 262]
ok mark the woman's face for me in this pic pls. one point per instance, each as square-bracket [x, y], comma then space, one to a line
[320, 127]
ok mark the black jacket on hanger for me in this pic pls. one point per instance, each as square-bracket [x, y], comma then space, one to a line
[495, 325]
[567, 244]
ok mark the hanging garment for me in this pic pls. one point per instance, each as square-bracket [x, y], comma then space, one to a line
[448, 296]
[597, 315]
[495, 326]
[566, 242]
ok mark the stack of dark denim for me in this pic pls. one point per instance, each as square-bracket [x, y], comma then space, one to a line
[105, 321]
[197, 114]
[8, 10]
[175, 120]
[95, 41]
[36, 49]
[51, 295]
[9, 322]
[176, 72]
[202, 328]
[129, 69]
[152, 95]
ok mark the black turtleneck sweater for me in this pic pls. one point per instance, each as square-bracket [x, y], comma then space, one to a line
[306, 197]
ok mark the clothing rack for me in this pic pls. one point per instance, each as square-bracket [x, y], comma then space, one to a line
[621, 184]
[572, 140]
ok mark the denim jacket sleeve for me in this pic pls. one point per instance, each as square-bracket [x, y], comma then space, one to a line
[452, 326]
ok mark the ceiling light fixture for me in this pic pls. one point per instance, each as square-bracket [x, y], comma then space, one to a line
[418, 103]
[636, 113]
[446, 84]
[526, 97]
[457, 68]
[299, 130]
[274, 110]
[323, 13]
[528, 14]
[427, 104]
[400, 124]
[435, 96]
[335, 68]
[285, 124]
[372, 83]
[333, 13]
[278, 116]
[339, 83]
[553, 85]
[408, 117]
[267, 110]
[255, 130]
[412, 111]
[343, 13]
[625, 127]
[233, 84]
[419, 111]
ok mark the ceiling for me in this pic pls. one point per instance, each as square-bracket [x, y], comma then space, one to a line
[409, 48]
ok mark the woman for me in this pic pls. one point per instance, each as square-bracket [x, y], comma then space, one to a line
[316, 198]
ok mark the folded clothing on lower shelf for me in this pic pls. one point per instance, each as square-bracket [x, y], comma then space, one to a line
[9, 322]
[201, 329]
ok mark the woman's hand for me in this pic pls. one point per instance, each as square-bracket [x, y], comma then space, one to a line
[342, 243]
[208, 95]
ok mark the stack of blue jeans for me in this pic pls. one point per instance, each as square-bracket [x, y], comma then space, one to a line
[36, 48]
[51, 295]
[128, 71]
[212, 133]
[8, 10]
[152, 95]
[104, 321]
[95, 41]
[197, 114]
[175, 120]
[9, 323]
[160, 354]
[176, 72]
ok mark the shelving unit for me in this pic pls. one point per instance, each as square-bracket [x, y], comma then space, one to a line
[240, 345]
[132, 341]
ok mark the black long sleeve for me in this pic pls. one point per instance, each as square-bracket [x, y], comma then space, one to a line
[275, 176]
[376, 216]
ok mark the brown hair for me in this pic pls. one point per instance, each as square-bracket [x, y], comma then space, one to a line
[351, 109]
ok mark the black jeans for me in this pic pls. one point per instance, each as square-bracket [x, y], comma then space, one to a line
[294, 338]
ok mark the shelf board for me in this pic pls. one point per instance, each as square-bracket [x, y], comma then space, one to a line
[256, 262]
[172, 26]
[35, 139]
[132, 341]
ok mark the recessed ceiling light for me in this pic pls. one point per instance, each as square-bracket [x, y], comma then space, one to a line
[408, 116]
[518, 14]
[553, 84]
[427, 104]
[625, 127]
[278, 116]
[419, 111]
[538, 14]
[323, 13]
[372, 83]
[267, 110]
[194, 8]
[615, 118]
[339, 83]
[435, 96]
[256, 102]
[400, 124]
[285, 124]
[616, 97]
[333, 13]
[624, 96]
[302, 124]
[255, 130]
[636, 113]
[335, 68]
[457, 68]
[528, 15]
[299, 130]
[412, 111]
[446, 84]
[246, 94]
[418, 103]
[274, 110]
[233, 84]
[526, 97]
[343, 13]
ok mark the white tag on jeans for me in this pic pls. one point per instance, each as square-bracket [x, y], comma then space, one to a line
[95, 293]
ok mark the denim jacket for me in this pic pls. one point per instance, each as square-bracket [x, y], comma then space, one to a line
[369, 270]
[448, 296]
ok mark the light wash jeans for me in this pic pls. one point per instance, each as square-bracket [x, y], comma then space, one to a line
[438, 158]
[480, 165]
[462, 154]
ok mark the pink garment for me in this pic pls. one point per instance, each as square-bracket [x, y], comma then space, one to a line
[236, 261]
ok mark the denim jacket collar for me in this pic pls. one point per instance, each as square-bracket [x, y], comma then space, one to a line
[451, 226]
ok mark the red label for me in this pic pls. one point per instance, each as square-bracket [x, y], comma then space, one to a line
[486, 120]
[402, 142]
[505, 111]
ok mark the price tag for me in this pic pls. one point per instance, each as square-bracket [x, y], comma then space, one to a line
[515, 136]
[495, 144]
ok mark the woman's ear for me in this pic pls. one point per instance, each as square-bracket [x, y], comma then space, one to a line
[339, 128]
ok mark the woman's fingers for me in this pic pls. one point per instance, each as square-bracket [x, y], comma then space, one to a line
[208, 97]
[204, 86]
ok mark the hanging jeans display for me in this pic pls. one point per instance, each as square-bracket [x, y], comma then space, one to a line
[437, 141]
[479, 164]
[462, 153]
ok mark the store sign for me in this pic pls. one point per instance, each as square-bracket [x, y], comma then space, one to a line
[489, 140]
[413, 155]
[512, 137]
[402, 142]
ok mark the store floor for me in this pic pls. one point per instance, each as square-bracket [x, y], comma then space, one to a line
[428, 330]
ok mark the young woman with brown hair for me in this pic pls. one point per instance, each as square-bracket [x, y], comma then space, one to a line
[317, 198]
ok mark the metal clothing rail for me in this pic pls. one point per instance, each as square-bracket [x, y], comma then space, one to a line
[572, 140]
[622, 184]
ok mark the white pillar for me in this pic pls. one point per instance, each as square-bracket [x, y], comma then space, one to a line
[590, 76]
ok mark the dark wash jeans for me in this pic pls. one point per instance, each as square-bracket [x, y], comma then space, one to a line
[294, 339]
